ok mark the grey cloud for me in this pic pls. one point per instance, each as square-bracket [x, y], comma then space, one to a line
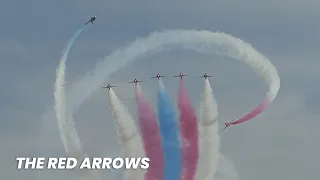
[280, 143]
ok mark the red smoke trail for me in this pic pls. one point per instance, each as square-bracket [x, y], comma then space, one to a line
[151, 137]
[189, 135]
[254, 112]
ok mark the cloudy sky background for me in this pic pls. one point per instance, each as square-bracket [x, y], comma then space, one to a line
[282, 143]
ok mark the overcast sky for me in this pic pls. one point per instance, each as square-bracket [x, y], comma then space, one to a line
[281, 143]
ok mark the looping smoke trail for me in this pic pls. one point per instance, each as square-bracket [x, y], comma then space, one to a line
[151, 137]
[128, 135]
[209, 136]
[170, 135]
[189, 135]
[68, 133]
[200, 41]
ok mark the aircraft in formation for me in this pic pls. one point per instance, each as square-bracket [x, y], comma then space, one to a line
[109, 86]
[92, 19]
[181, 75]
[157, 76]
[205, 76]
[135, 81]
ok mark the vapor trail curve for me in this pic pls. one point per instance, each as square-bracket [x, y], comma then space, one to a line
[199, 41]
[169, 132]
[68, 133]
[209, 136]
[151, 136]
[128, 135]
[67, 129]
[189, 135]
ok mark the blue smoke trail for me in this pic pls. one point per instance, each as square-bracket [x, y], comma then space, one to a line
[70, 43]
[170, 135]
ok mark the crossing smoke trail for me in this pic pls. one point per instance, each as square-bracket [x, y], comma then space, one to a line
[151, 137]
[170, 135]
[199, 41]
[128, 135]
[189, 135]
[209, 136]
[68, 133]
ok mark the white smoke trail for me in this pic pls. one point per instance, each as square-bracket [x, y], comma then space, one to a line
[68, 133]
[209, 136]
[128, 135]
[200, 41]
[226, 170]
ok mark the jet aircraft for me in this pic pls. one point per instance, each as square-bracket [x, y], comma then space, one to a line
[91, 20]
[135, 81]
[109, 86]
[227, 124]
[205, 76]
[181, 75]
[157, 76]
